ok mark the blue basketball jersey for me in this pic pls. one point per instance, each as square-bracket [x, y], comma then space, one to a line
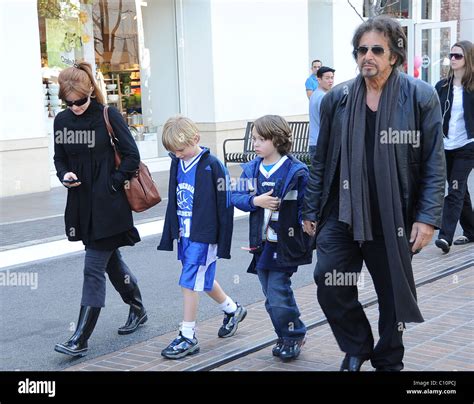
[190, 252]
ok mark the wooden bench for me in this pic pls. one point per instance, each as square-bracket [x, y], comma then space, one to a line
[299, 147]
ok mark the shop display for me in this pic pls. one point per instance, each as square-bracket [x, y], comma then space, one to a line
[52, 103]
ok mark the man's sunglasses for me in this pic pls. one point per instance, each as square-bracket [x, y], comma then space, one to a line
[377, 50]
[78, 103]
[457, 56]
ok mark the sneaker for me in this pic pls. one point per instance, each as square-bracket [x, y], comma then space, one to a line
[180, 347]
[461, 240]
[277, 348]
[443, 244]
[291, 349]
[231, 322]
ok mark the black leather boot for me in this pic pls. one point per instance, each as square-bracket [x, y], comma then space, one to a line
[351, 363]
[137, 314]
[77, 344]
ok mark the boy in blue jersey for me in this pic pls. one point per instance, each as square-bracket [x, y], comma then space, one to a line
[271, 188]
[200, 216]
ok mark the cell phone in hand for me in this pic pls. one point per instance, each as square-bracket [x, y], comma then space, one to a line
[72, 181]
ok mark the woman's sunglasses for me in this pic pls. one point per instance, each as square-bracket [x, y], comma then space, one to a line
[78, 103]
[377, 50]
[457, 56]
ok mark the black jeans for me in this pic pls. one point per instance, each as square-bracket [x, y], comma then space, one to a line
[339, 263]
[96, 264]
[457, 204]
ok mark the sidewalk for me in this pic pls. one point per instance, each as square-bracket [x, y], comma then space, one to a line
[443, 342]
[38, 218]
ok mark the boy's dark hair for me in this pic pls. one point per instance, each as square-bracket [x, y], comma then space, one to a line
[276, 129]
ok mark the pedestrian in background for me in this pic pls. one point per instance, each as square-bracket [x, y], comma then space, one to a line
[456, 94]
[97, 211]
[200, 217]
[326, 80]
[271, 188]
[311, 83]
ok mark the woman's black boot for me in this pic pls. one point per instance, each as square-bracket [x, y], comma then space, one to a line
[77, 344]
[137, 314]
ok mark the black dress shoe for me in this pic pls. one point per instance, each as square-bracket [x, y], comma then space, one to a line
[463, 240]
[443, 244]
[137, 313]
[351, 363]
[291, 350]
[77, 344]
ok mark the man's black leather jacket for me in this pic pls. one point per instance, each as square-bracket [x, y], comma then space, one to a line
[421, 168]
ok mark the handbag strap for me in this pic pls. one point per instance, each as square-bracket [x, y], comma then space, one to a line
[113, 138]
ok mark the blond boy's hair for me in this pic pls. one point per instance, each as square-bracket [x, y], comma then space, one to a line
[179, 132]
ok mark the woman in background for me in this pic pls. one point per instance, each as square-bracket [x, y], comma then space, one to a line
[456, 94]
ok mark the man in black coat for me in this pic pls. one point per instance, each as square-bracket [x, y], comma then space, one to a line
[375, 194]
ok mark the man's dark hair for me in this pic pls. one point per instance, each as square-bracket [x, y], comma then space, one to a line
[391, 29]
[316, 60]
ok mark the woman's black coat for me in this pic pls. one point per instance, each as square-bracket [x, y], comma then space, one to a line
[97, 208]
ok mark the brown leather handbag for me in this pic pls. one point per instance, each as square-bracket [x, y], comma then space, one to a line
[141, 191]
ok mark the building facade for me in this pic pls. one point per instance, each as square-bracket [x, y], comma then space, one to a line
[220, 62]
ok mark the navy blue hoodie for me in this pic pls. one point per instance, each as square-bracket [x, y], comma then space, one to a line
[213, 213]
[294, 246]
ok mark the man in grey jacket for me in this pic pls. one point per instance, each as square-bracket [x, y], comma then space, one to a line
[375, 194]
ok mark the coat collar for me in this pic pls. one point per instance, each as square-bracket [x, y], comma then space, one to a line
[205, 152]
[251, 169]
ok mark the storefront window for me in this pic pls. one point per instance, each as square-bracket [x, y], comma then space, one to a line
[426, 9]
[101, 32]
[116, 52]
[394, 8]
[105, 34]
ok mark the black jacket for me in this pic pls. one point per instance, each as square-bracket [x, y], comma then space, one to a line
[421, 170]
[294, 246]
[213, 213]
[94, 209]
[442, 87]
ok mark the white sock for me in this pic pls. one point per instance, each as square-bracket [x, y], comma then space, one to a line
[187, 329]
[228, 305]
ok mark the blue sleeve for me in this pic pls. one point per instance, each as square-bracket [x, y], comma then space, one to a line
[243, 193]
[308, 85]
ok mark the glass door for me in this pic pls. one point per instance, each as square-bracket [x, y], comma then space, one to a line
[409, 28]
[433, 42]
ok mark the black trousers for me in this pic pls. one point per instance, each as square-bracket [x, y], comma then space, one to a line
[340, 259]
[96, 264]
[457, 204]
